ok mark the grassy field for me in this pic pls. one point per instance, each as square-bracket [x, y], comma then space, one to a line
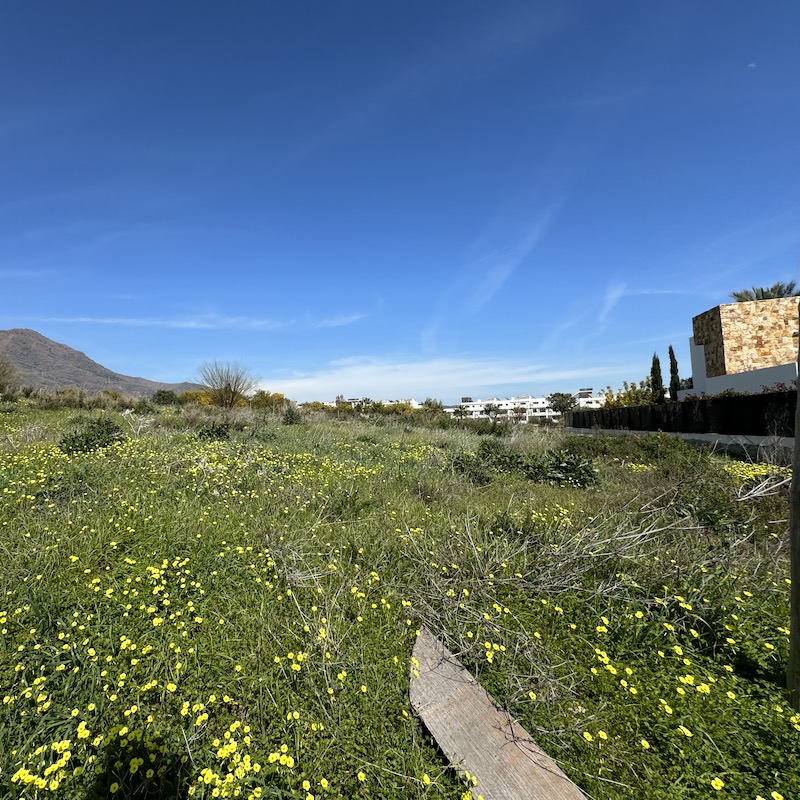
[210, 612]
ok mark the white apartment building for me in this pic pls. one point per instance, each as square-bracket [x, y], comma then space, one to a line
[355, 402]
[585, 399]
[519, 409]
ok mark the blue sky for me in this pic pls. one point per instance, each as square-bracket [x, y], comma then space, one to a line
[394, 199]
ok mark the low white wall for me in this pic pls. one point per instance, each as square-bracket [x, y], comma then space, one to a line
[751, 382]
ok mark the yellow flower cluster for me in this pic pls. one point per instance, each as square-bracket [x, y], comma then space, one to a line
[744, 472]
[632, 467]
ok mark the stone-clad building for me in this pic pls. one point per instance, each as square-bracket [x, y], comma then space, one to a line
[745, 346]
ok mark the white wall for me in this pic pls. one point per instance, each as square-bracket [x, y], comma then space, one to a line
[751, 382]
[698, 356]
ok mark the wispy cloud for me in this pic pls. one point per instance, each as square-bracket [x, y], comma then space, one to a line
[759, 252]
[209, 322]
[614, 293]
[206, 321]
[27, 274]
[617, 291]
[448, 378]
[339, 321]
[498, 267]
[477, 282]
[764, 243]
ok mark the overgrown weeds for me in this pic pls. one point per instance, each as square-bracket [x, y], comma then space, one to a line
[233, 615]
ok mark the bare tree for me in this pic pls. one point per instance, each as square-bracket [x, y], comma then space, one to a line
[9, 374]
[226, 382]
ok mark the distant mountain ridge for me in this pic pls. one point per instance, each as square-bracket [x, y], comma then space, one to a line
[45, 364]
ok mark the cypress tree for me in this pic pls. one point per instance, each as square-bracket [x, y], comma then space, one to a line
[656, 381]
[674, 378]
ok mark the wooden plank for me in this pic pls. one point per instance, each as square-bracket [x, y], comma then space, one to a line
[478, 736]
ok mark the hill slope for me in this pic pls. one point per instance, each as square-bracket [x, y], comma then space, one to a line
[45, 364]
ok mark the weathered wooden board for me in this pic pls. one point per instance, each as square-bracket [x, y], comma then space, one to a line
[476, 735]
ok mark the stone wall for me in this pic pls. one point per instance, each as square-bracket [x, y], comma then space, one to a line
[707, 329]
[739, 337]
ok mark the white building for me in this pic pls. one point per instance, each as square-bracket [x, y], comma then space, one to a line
[356, 402]
[519, 409]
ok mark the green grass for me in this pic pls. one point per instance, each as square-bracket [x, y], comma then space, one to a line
[189, 617]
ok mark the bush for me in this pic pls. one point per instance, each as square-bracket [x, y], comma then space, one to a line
[9, 375]
[267, 401]
[227, 384]
[199, 398]
[562, 468]
[292, 415]
[93, 435]
[473, 467]
[60, 398]
[483, 427]
[165, 397]
[215, 431]
[143, 406]
[559, 467]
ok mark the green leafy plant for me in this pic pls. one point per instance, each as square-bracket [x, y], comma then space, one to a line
[165, 397]
[215, 430]
[93, 434]
[560, 466]
[292, 415]
[631, 394]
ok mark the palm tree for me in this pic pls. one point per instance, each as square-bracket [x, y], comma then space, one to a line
[766, 293]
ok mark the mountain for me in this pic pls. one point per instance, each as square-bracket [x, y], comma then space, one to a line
[45, 364]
